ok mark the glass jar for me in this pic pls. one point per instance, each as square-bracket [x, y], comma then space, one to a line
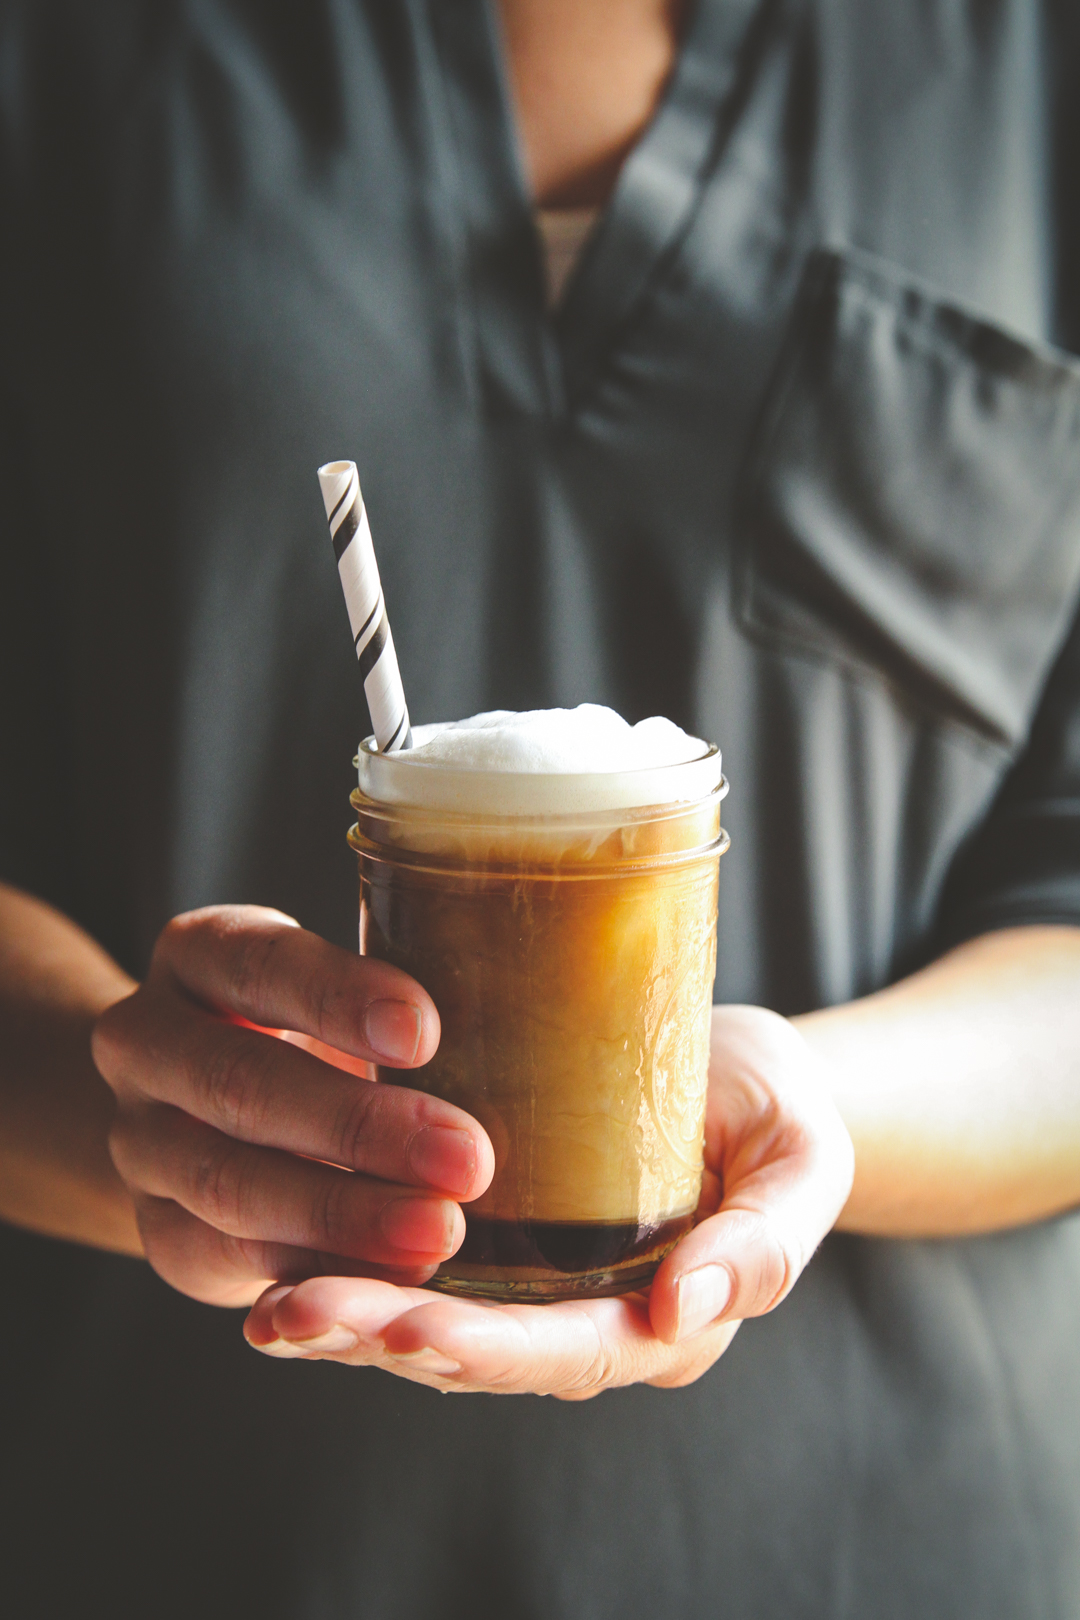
[571, 955]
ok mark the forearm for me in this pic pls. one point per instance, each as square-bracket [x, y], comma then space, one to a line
[56, 1176]
[961, 1088]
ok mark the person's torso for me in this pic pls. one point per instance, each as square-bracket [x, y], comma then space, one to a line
[244, 242]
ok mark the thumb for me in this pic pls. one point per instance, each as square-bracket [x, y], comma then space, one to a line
[738, 1263]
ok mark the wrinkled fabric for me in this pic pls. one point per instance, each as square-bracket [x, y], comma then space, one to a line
[797, 463]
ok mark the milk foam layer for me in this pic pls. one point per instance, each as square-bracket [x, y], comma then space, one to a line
[588, 739]
[543, 762]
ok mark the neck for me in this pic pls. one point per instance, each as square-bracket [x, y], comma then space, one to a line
[586, 77]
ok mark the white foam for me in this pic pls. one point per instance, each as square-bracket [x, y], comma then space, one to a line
[544, 762]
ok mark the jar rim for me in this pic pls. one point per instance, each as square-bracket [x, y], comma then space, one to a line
[478, 869]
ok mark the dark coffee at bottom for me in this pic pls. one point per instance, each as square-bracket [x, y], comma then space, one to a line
[548, 1260]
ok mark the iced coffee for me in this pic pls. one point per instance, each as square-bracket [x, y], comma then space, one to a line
[551, 881]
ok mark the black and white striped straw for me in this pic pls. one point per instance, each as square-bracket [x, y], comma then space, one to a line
[359, 575]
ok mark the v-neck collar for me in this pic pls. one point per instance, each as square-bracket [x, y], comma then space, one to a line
[527, 358]
[657, 189]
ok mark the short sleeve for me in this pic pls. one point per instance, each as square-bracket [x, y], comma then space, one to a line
[1023, 863]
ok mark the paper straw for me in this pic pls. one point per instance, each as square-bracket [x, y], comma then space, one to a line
[359, 575]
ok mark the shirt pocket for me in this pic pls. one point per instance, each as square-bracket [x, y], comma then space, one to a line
[911, 502]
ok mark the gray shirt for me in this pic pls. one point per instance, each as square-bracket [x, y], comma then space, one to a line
[796, 463]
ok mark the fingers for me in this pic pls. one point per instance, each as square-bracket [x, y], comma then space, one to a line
[266, 968]
[231, 1138]
[259, 1089]
[328, 1315]
[218, 1269]
[573, 1351]
[260, 1195]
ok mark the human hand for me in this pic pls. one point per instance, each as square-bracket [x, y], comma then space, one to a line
[252, 1157]
[779, 1166]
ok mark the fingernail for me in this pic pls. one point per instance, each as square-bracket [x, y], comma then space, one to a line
[703, 1294]
[281, 1349]
[427, 1360]
[392, 1030]
[421, 1225]
[324, 1344]
[444, 1157]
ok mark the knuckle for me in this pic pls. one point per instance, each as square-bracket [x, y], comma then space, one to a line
[778, 1269]
[120, 1142]
[353, 1127]
[110, 1040]
[236, 1084]
[219, 1185]
[253, 970]
[178, 928]
[228, 950]
[333, 1219]
[174, 938]
[249, 1257]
